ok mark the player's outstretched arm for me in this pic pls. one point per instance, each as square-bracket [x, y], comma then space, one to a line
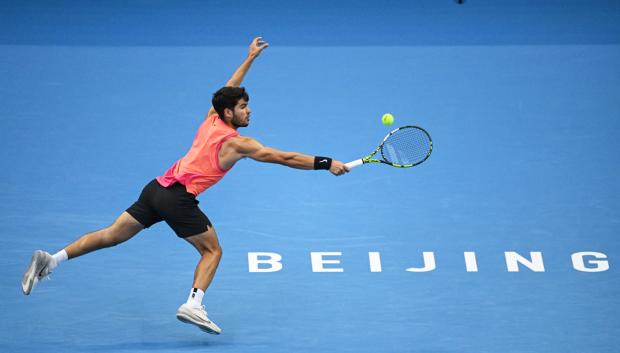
[248, 147]
[256, 47]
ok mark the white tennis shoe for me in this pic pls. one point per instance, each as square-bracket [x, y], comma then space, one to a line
[38, 269]
[197, 315]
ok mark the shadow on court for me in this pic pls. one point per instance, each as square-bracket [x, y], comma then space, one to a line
[180, 345]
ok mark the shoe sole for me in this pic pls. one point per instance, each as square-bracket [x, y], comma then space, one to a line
[188, 320]
[32, 272]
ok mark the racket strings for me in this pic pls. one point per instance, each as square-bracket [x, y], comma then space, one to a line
[406, 146]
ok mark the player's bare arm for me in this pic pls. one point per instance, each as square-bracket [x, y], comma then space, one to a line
[256, 47]
[242, 146]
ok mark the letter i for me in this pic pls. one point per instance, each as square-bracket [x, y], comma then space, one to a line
[375, 261]
[470, 261]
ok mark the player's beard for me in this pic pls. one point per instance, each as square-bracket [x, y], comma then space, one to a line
[238, 122]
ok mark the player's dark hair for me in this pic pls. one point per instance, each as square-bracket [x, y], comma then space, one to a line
[228, 97]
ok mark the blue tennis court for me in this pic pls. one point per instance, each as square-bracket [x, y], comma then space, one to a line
[504, 240]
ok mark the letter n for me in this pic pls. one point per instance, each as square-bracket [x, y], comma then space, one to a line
[513, 260]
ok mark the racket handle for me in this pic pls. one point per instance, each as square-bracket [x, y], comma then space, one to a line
[354, 163]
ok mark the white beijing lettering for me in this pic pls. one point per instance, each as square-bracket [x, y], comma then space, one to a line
[513, 260]
[318, 261]
[471, 264]
[272, 259]
[429, 263]
[600, 265]
[374, 258]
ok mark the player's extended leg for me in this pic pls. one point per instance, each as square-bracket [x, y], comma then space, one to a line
[43, 263]
[210, 251]
[124, 228]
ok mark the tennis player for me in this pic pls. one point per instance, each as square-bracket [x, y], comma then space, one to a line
[171, 197]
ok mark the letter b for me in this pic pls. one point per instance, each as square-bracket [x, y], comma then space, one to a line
[273, 260]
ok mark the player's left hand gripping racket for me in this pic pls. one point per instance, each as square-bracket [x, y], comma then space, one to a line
[404, 147]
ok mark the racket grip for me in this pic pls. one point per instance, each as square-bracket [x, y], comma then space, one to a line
[354, 163]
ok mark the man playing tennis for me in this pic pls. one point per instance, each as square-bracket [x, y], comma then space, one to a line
[172, 196]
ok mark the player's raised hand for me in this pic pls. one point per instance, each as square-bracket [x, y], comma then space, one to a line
[257, 46]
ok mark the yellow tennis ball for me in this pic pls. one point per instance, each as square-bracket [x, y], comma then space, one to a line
[387, 119]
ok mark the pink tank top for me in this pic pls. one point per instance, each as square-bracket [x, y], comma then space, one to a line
[199, 169]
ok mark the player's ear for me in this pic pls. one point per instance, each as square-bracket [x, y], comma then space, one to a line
[228, 114]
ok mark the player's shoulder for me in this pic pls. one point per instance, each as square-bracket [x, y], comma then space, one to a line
[243, 144]
[239, 141]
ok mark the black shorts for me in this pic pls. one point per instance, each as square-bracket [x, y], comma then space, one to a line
[174, 205]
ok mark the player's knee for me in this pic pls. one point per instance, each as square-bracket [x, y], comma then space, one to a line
[218, 251]
[215, 251]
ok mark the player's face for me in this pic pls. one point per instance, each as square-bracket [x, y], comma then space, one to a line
[241, 114]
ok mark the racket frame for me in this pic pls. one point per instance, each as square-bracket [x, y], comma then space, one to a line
[369, 158]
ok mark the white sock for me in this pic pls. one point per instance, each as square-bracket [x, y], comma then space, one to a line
[195, 297]
[58, 258]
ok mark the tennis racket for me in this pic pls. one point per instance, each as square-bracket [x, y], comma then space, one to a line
[404, 147]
